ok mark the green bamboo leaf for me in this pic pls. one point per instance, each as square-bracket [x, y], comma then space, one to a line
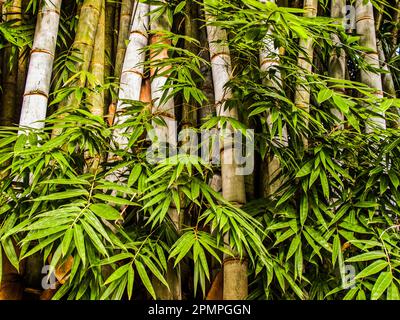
[134, 175]
[324, 94]
[154, 270]
[306, 169]
[293, 246]
[118, 273]
[336, 249]
[372, 255]
[131, 278]
[94, 238]
[115, 200]
[303, 209]
[145, 278]
[382, 283]
[105, 211]
[116, 258]
[63, 195]
[10, 252]
[373, 268]
[79, 240]
[70, 181]
[67, 241]
[393, 292]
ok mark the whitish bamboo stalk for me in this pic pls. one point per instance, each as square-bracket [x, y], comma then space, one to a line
[97, 65]
[166, 135]
[365, 25]
[235, 270]
[132, 70]
[268, 61]
[10, 72]
[302, 96]
[337, 60]
[37, 86]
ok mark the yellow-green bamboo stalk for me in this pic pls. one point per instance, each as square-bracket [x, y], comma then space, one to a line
[302, 95]
[269, 60]
[96, 99]
[84, 41]
[234, 269]
[109, 46]
[365, 25]
[10, 72]
[82, 47]
[337, 61]
[123, 34]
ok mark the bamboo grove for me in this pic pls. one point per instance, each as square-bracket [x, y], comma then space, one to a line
[88, 87]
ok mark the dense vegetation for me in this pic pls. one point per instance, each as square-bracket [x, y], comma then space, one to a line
[317, 218]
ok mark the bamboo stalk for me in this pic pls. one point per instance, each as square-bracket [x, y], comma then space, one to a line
[167, 135]
[268, 61]
[365, 25]
[132, 71]
[234, 269]
[123, 34]
[23, 60]
[10, 83]
[37, 86]
[302, 95]
[84, 43]
[337, 60]
[109, 46]
[97, 65]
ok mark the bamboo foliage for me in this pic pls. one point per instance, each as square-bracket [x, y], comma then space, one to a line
[126, 227]
[37, 88]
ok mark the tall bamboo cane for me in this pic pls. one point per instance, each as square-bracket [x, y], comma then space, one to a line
[269, 60]
[365, 25]
[337, 60]
[37, 86]
[302, 96]
[132, 69]
[167, 135]
[235, 270]
[10, 84]
[97, 65]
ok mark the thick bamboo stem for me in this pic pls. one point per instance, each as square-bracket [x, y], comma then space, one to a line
[167, 135]
[365, 25]
[123, 34]
[302, 95]
[10, 83]
[269, 60]
[235, 270]
[132, 71]
[37, 86]
[337, 60]
[97, 65]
